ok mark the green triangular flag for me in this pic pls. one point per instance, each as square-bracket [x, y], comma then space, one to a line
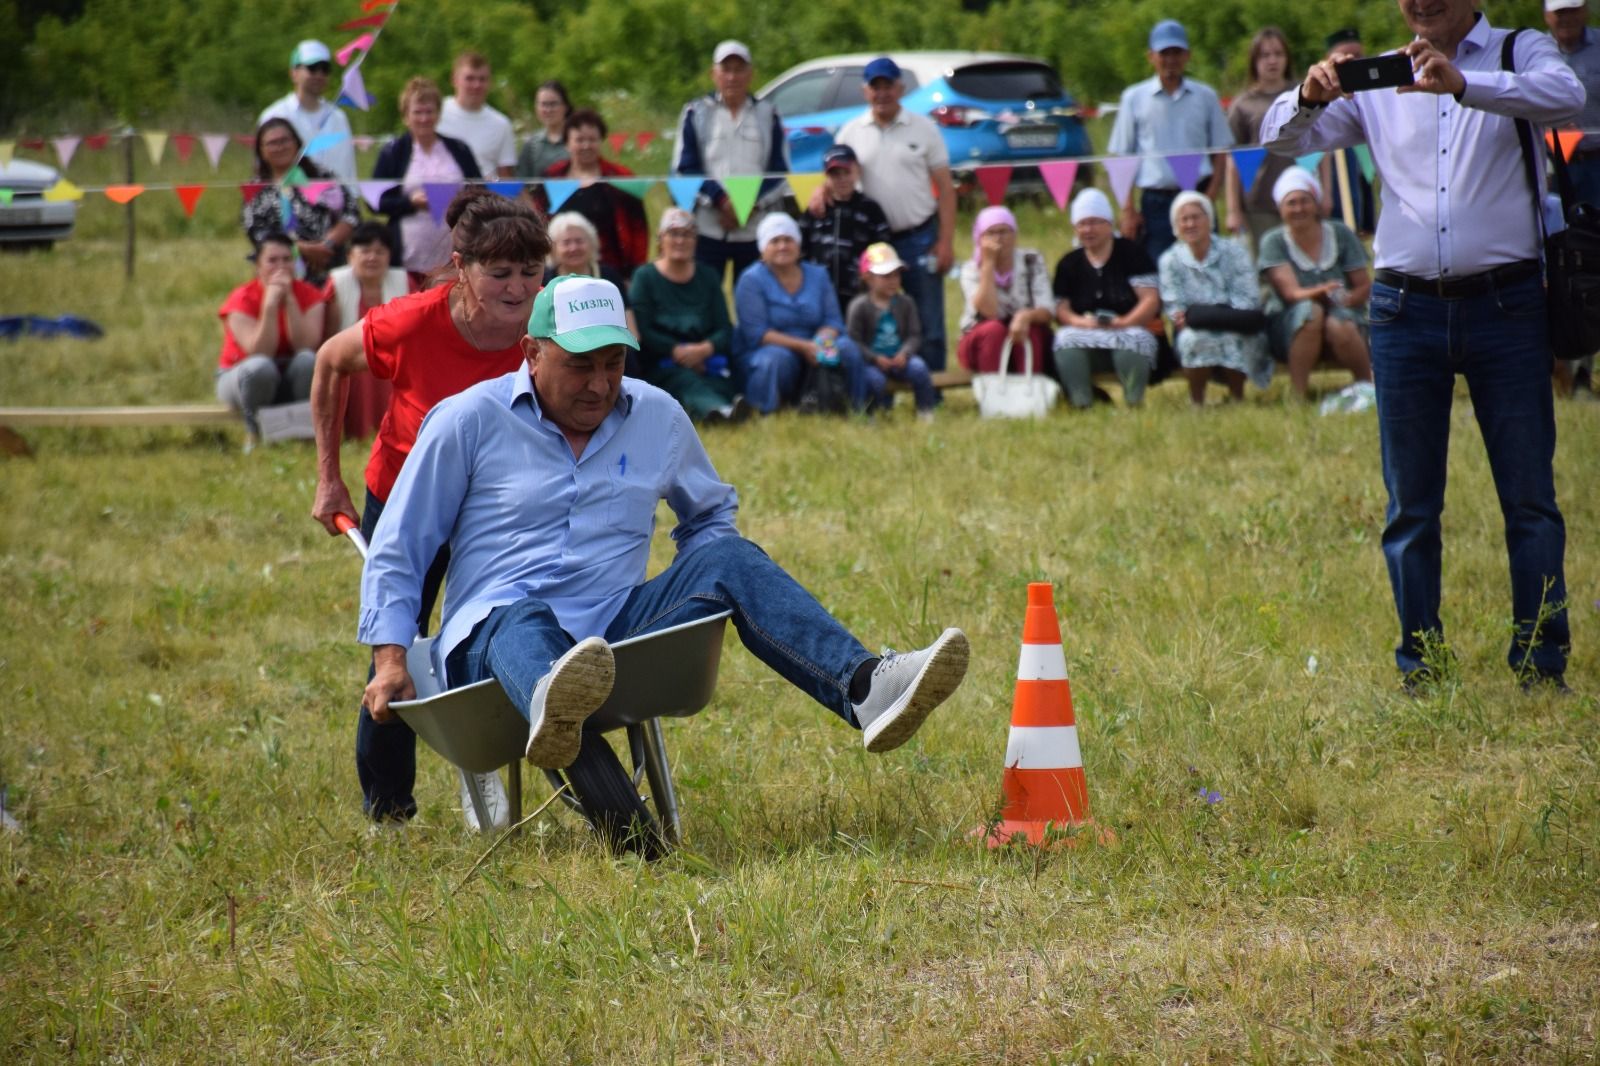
[742, 193]
[5, 196]
[296, 176]
[1364, 157]
[636, 187]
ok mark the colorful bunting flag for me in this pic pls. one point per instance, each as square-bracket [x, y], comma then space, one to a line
[65, 147]
[368, 5]
[1568, 139]
[189, 195]
[362, 43]
[313, 190]
[684, 191]
[8, 150]
[1248, 162]
[33, 144]
[155, 142]
[353, 93]
[250, 189]
[643, 138]
[63, 190]
[804, 186]
[742, 193]
[993, 180]
[617, 140]
[214, 144]
[638, 187]
[1059, 178]
[122, 194]
[1121, 171]
[323, 141]
[374, 21]
[295, 176]
[509, 189]
[184, 143]
[372, 192]
[558, 190]
[1186, 168]
[5, 197]
[439, 194]
[1310, 161]
[97, 141]
[1364, 159]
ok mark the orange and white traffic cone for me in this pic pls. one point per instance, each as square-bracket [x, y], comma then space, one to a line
[1044, 784]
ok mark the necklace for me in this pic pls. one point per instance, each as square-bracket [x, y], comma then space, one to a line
[466, 321]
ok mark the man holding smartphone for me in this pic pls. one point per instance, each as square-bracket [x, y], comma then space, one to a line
[1458, 289]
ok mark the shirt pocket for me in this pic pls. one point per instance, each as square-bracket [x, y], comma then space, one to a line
[631, 504]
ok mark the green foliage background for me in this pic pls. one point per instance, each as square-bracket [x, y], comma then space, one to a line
[94, 61]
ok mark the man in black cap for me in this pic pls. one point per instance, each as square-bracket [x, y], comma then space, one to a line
[835, 239]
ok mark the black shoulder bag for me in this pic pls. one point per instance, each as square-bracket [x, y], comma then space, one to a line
[1571, 257]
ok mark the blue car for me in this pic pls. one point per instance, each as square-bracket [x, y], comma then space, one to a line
[992, 107]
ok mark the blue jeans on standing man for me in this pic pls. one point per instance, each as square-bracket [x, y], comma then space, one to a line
[1498, 341]
[781, 624]
[924, 286]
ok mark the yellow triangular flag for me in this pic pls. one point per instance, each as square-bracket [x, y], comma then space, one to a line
[155, 141]
[63, 190]
[803, 185]
[7, 149]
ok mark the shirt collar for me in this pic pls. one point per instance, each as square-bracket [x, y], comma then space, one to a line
[522, 385]
[1477, 38]
[1157, 88]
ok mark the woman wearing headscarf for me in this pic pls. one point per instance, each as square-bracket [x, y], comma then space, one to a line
[1211, 280]
[789, 319]
[1317, 277]
[1106, 300]
[1008, 299]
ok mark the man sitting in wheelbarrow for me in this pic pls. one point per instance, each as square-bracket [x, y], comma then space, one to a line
[545, 483]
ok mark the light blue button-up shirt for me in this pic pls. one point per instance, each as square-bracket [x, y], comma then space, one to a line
[498, 481]
[1152, 123]
[1455, 197]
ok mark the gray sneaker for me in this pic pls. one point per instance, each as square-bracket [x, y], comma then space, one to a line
[577, 684]
[906, 687]
[493, 793]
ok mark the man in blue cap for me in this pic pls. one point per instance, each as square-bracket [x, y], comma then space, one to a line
[1161, 116]
[545, 482]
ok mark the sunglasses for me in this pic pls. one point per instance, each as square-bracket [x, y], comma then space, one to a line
[318, 68]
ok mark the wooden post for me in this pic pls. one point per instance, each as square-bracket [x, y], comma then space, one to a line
[1341, 170]
[127, 160]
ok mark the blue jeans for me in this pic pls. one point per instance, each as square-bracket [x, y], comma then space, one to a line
[925, 287]
[781, 624]
[386, 752]
[915, 371]
[1155, 207]
[772, 375]
[1499, 343]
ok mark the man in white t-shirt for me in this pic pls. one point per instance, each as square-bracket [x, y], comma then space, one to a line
[468, 117]
[311, 116]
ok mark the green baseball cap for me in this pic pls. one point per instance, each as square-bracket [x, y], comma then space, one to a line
[581, 314]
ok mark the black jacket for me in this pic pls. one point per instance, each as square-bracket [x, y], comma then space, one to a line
[393, 159]
[836, 240]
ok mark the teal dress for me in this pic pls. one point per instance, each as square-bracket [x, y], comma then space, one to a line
[1341, 253]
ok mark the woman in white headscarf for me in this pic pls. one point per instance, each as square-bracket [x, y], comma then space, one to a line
[1317, 277]
[1213, 299]
[1106, 301]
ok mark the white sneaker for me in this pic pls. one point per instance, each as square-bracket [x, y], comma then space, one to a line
[906, 687]
[494, 798]
[577, 684]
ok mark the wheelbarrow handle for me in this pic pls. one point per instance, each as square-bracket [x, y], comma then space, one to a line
[346, 526]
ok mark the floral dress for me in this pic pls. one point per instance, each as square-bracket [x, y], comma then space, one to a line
[1225, 276]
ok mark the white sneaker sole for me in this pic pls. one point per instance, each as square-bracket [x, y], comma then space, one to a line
[938, 678]
[580, 681]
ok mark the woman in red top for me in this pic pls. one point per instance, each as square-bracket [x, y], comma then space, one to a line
[431, 345]
[270, 328]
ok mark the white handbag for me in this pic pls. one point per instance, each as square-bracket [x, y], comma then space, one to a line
[1024, 395]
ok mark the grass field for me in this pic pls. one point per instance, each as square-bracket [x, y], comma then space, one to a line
[1310, 865]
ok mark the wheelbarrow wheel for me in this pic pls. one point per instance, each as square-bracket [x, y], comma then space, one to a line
[609, 800]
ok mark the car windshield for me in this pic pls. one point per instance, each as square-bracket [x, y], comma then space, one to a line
[1006, 81]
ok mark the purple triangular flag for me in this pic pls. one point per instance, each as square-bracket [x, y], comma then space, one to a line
[215, 143]
[353, 90]
[558, 191]
[372, 192]
[1121, 169]
[439, 194]
[1186, 168]
[1248, 162]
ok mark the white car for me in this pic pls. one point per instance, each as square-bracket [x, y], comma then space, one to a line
[29, 220]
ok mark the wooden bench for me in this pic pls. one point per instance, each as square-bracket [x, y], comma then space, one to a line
[166, 415]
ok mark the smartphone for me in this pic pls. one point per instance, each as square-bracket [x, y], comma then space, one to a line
[1379, 72]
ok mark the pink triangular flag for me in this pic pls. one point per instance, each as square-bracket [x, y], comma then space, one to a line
[214, 143]
[184, 143]
[372, 192]
[360, 44]
[439, 194]
[994, 181]
[1058, 178]
[65, 146]
[313, 190]
[1186, 168]
[1121, 169]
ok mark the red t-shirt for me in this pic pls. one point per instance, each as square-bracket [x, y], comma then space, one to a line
[247, 300]
[412, 342]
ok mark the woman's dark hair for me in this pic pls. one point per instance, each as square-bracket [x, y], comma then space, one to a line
[263, 170]
[485, 227]
[273, 237]
[557, 88]
[584, 116]
[370, 232]
[1263, 35]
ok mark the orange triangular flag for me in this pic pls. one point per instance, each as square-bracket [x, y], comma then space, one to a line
[121, 194]
[1568, 138]
[189, 195]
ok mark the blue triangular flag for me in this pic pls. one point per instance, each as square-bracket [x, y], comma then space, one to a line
[323, 141]
[558, 190]
[509, 189]
[684, 191]
[1310, 161]
[1249, 161]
